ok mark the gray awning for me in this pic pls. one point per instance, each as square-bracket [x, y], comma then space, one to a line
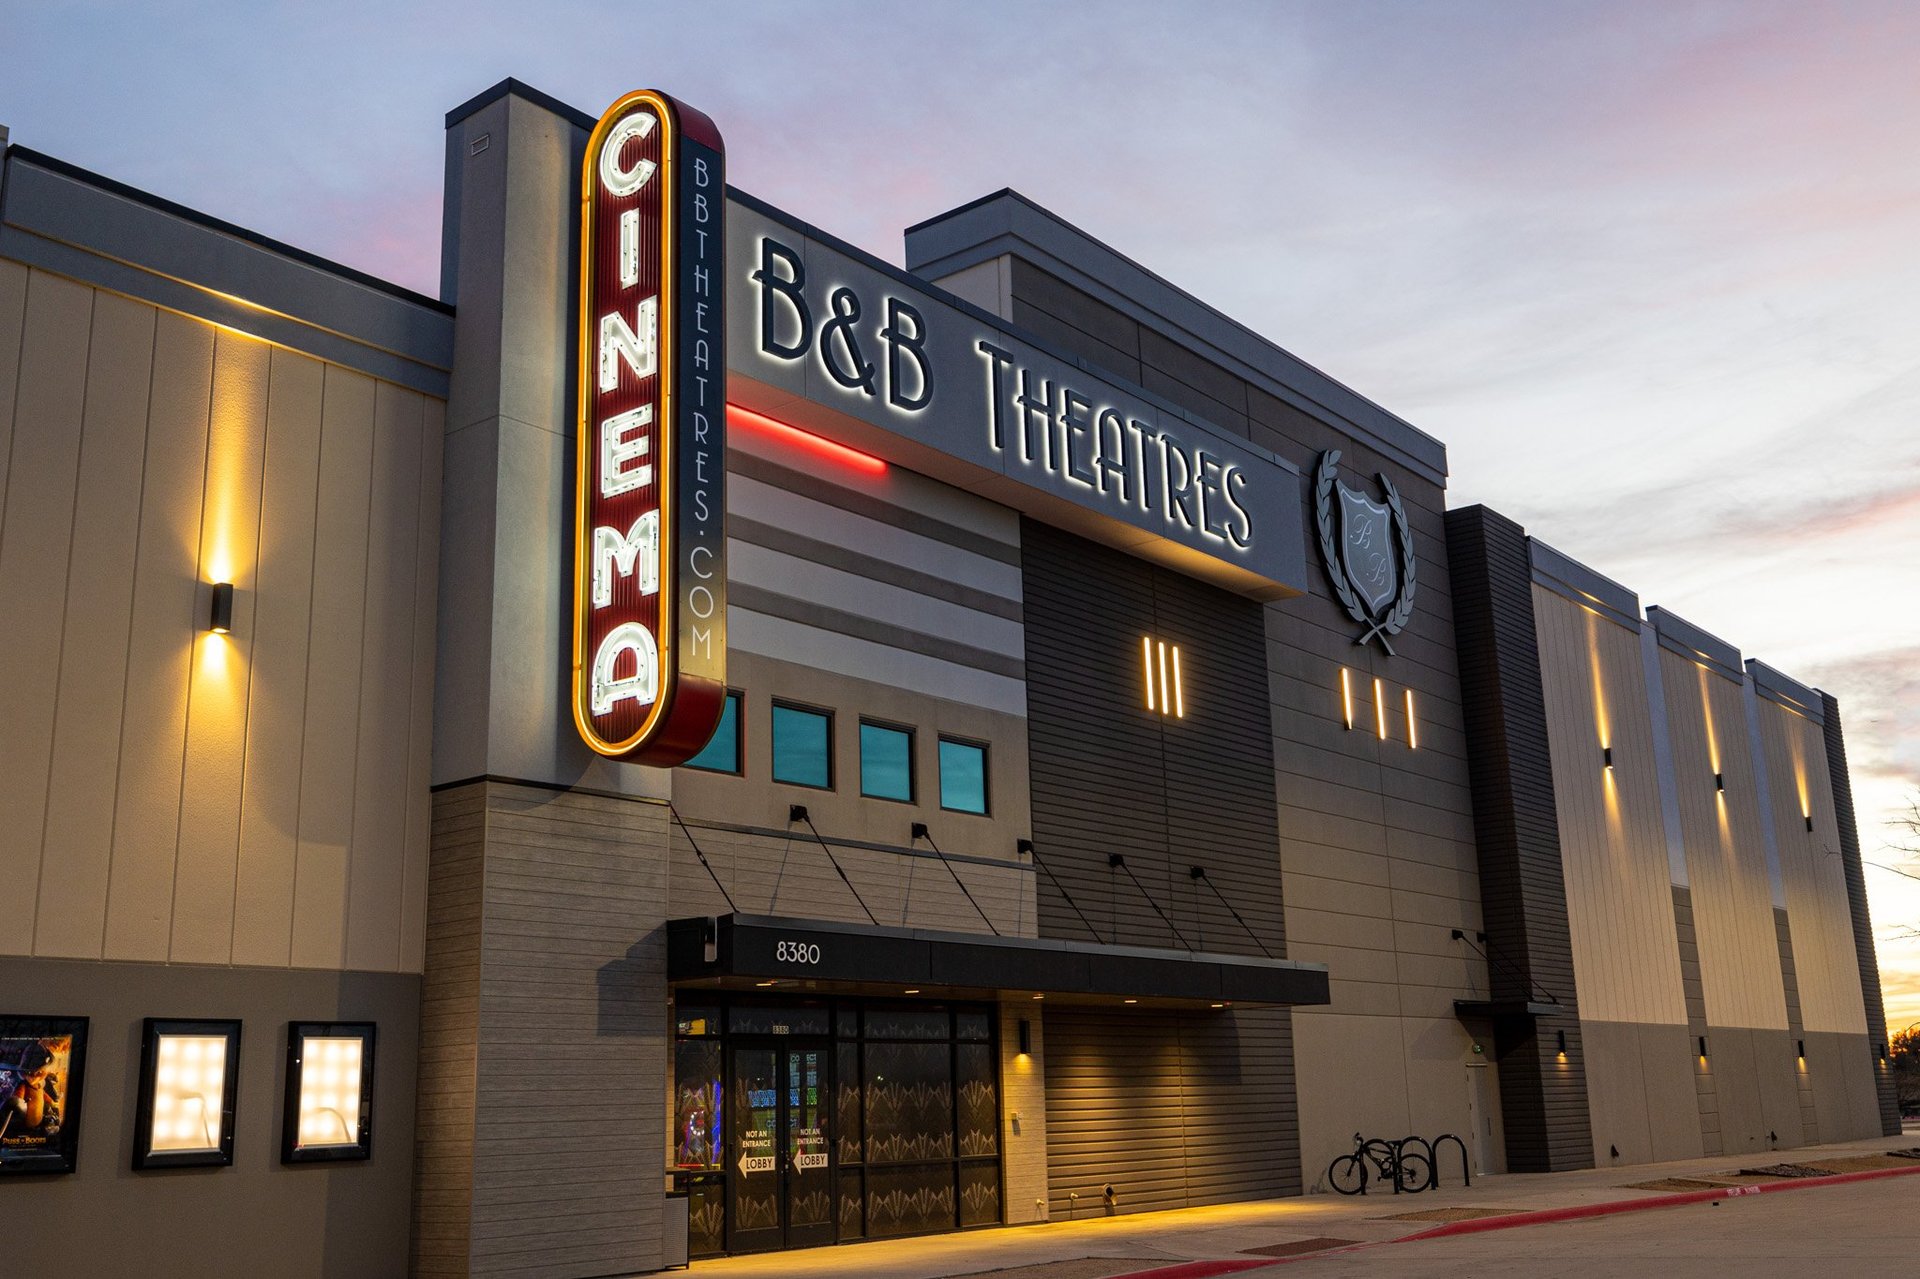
[815, 956]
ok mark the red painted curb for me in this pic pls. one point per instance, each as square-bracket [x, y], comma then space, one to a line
[1540, 1217]
[1546, 1216]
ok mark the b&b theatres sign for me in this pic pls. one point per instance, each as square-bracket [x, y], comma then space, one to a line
[650, 552]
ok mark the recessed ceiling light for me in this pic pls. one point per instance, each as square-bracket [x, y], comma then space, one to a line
[914, 991]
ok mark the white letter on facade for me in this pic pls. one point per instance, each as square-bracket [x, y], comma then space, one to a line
[617, 180]
[616, 450]
[639, 346]
[643, 685]
[613, 553]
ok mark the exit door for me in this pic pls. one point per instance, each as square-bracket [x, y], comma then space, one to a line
[780, 1191]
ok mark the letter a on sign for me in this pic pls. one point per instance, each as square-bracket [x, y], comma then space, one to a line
[650, 541]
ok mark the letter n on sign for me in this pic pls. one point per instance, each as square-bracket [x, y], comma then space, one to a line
[650, 538]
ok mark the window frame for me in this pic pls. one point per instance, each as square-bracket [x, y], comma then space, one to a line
[773, 753]
[986, 775]
[913, 782]
[739, 699]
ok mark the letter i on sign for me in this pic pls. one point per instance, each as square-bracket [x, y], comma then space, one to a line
[649, 180]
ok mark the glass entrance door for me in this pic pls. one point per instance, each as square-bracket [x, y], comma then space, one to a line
[780, 1187]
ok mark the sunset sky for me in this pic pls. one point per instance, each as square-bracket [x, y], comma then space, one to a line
[1651, 270]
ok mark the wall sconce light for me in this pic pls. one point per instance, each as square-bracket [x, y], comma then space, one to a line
[1809, 823]
[220, 617]
[1720, 782]
[1563, 1043]
[1023, 847]
[189, 1086]
[1703, 1048]
[1800, 1049]
[329, 1111]
[1606, 757]
[1026, 1037]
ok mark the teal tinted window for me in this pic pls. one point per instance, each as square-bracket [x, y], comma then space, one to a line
[963, 776]
[721, 754]
[802, 746]
[886, 762]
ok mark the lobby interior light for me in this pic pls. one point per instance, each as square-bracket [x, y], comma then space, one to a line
[220, 616]
[329, 1103]
[189, 1081]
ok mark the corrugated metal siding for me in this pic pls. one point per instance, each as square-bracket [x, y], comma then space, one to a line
[1171, 1109]
[1523, 894]
[1109, 776]
[1849, 832]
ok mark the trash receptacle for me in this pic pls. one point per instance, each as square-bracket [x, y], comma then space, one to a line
[673, 1231]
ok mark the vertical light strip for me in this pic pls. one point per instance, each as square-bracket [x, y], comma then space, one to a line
[1346, 695]
[1146, 662]
[1164, 685]
[1413, 731]
[1380, 709]
[1179, 701]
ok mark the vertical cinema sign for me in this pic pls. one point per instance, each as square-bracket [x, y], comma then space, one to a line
[650, 552]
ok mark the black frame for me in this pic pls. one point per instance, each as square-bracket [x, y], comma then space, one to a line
[838, 1034]
[739, 699]
[986, 775]
[782, 704]
[144, 1157]
[290, 1151]
[62, 1156]
[913, 781]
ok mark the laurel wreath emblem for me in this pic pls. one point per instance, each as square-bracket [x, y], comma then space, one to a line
[1390, 620]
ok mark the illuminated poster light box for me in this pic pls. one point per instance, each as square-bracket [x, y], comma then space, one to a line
[329, 1114]
[189, 1087]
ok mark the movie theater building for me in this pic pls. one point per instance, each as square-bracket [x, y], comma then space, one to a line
[698, 739]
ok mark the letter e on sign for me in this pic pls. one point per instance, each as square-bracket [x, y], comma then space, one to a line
[649, 592]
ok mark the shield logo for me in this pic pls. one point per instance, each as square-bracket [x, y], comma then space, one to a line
[1366, 548]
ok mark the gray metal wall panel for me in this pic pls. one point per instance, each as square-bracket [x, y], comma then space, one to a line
[1172, 1110]
[1109, 776]
[1517, 833]
[1862, 923]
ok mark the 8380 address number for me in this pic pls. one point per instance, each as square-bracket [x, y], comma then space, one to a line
[797, 952]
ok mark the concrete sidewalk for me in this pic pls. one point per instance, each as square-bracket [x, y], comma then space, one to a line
[1093, 1248]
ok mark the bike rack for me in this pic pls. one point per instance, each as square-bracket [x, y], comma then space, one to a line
[1466, 1164]
[1396, 1152]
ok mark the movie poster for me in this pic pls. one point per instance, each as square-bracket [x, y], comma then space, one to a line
[40, 1065]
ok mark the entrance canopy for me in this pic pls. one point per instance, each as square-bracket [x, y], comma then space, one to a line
[799, 956]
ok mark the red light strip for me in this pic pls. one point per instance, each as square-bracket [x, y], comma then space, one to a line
[818, 445]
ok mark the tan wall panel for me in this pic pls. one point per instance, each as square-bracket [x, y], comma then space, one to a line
[334, 671]
[210, 790]
[77, 852]
[1612, 837]
[34, 547]
[276, 714]
[1825, 963]
[426, 574]
[166, 626]
[1726, 852]
[377, 864]
[13, 318]
[171, 794]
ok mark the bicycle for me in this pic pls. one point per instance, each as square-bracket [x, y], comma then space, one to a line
[1405, 1171]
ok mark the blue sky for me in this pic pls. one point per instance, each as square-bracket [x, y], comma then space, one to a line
[1651, 270]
